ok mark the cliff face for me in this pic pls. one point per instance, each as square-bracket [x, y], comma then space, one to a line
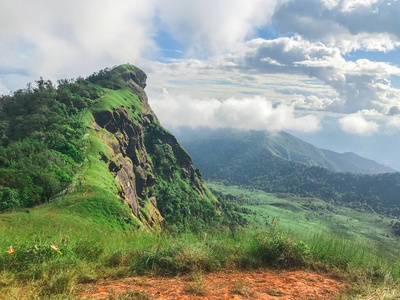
[154, 173]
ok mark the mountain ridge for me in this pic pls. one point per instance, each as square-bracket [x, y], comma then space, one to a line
[289, 147]
[251, 160]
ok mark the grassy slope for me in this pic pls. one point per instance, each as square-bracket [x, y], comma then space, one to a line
[356, 237]
[80, 208]
[85, 222]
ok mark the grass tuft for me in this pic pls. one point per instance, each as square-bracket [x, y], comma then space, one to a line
[197, 285]
[241, 287]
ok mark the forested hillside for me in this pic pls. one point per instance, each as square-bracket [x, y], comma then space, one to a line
[246, 159]
[280, 144]
[98, 135]
[41, 144]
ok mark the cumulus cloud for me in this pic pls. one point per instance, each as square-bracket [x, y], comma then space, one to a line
[349, 25]
[348, 5]
[58, 38]
[361, 84]
[247, 113]
[300, 73]
[69, 38]
[358, 125]
[210, 26]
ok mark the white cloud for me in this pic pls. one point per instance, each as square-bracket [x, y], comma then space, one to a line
[312, 102]
[394, 122]
[221, 78]
[361, 84]
[247, 113]
[211, 26]
[358, 125]
[292, 70]
[349, 5]
[370, 25]
[58, 38]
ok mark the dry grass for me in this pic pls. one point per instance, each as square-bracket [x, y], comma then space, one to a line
[196, 285]
[242, 288]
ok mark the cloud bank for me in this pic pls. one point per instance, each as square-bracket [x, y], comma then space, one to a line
[247, 113]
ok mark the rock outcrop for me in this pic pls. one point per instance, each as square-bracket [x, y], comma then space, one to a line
[143, 156]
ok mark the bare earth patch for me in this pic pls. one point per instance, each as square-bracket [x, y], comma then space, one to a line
[223, 285]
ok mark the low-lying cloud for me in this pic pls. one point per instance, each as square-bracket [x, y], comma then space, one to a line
[248, 113]
[358, 125]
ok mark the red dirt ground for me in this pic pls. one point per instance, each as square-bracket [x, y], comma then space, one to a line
[224, 285]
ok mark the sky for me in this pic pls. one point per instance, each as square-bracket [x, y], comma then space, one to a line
[327, 71]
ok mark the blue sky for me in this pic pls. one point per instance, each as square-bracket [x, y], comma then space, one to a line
[325, 70]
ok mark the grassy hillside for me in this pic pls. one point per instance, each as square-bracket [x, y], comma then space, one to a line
[91, 244]
[98, 135]
[312, 218]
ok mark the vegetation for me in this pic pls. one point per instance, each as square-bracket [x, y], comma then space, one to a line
[45, 143]
[88, 249]
[52, 153]
[41, 140]
[180, 199]
[245, 161]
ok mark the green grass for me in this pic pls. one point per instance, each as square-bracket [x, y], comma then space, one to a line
[309, 218]
[94, 247]
[113, 99]
[94, 250]
[358, 245]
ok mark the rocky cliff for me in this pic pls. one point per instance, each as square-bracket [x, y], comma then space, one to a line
[154, 174]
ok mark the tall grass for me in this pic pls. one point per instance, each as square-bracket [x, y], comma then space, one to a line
[89, 254]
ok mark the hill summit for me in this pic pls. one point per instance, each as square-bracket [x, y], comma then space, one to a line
[107, 143]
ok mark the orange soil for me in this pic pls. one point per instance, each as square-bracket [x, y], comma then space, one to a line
[224, 285]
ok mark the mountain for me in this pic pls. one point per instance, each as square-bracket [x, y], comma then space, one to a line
[283, 164]
[96, 143]
[282, 145]
[351, 162]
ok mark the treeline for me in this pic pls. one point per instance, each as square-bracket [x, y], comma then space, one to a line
[41, 139]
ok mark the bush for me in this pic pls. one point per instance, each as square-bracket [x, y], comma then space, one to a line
[9, 199]
[276, 249]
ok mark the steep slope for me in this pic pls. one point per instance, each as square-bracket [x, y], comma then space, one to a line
[153, 171]
[127, 156]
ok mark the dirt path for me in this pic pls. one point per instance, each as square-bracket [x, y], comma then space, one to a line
[224, 285]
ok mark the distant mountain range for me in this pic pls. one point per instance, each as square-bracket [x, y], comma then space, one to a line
[281, 163]
[279, 145]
